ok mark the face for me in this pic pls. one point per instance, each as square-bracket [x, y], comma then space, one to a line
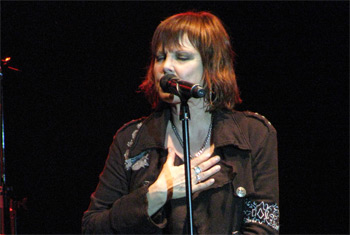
[184, 62]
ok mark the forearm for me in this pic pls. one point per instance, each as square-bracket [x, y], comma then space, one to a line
[115, 206]
[156, 198]
[96, 222]
[128, 214]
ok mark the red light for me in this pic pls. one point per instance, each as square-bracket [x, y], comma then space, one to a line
[13, 68]
[7, 59]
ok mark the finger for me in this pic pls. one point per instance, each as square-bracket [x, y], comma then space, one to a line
[197, 160]
[208, 173]
[203, 185]
[171, 157]
[208, 163]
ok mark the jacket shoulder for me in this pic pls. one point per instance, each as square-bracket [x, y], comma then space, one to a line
[125, 135]
[257, 119]
[130, 127]
[254, 126]
[131, 124]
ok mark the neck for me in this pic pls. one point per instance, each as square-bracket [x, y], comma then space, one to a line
[198, 124]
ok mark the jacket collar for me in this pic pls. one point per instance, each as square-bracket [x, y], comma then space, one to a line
[226, 131]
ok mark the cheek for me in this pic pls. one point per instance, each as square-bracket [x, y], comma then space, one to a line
[192, 74]
[157, 71]
[167, 97]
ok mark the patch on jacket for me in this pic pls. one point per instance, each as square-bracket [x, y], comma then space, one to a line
[140, 120]
[137, 162]
[262, 213]
[132, 140]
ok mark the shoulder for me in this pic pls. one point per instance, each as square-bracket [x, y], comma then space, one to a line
[258, 120]
[131, 125]
[129, 129]
[125, 135]
[256, 127]
[253, 121]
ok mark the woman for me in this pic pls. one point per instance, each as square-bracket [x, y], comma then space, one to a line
[233, 154]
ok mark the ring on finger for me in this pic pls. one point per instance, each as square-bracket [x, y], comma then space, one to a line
[197, 170]
[198, 179]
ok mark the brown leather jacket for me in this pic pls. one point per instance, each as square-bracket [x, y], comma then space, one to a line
[243, 199]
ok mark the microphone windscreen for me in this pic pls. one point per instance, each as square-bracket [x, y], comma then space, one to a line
[164, 81]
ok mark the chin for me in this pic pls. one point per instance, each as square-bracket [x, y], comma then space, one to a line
[169, 98]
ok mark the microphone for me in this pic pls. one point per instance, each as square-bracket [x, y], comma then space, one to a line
[171, 84]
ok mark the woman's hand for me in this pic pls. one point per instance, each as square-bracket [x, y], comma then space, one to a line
[171, 182]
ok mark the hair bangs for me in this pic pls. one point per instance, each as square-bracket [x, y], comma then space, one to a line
[170, 35]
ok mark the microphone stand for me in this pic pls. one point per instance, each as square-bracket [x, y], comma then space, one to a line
[185, 91]
[2, 167]
[3, 189]
[184, 117]
[8, 206]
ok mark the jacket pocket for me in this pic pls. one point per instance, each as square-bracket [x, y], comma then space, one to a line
[224, 176]
[240, 161]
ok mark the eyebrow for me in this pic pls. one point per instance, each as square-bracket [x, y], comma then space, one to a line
[176, 51]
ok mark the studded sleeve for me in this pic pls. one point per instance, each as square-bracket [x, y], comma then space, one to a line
[261, 209]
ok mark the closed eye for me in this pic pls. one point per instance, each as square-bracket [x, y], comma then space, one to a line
[183, 56]
[160, 57]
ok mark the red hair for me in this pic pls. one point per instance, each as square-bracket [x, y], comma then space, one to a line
[207, 34]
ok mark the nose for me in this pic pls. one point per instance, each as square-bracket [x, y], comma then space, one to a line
[168, 67]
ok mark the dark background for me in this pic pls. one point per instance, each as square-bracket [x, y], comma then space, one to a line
[81, 64]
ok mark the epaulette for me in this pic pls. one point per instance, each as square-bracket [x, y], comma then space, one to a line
[258, 117]
[132, 122]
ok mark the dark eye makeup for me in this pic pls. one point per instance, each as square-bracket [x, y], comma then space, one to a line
[179, 55]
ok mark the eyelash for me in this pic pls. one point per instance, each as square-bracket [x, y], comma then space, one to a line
[159, 58]
[182, 58]
[178, 57]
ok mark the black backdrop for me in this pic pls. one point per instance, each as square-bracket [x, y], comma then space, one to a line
[81, 64]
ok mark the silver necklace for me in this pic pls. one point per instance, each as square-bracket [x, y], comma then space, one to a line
[205, 141]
